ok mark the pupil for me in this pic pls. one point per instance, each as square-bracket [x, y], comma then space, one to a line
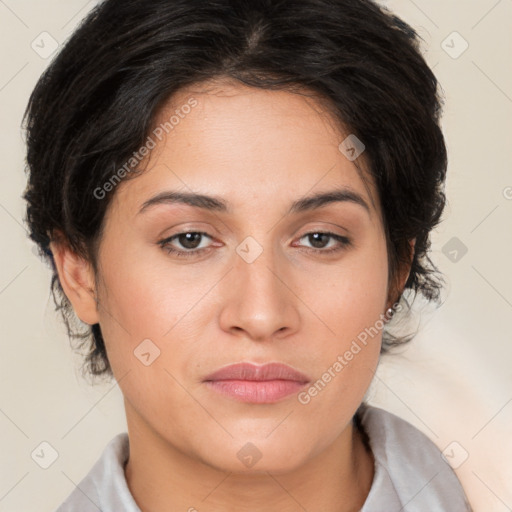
[190, 240]
[316, 238]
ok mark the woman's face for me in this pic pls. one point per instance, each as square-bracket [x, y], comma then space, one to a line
[258, 286]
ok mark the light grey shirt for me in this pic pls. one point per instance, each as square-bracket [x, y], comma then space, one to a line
[410, 473]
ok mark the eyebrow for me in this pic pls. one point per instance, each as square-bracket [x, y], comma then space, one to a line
[217, 204]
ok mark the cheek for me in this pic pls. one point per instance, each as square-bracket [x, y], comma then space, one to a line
[350, 296]
[152, 332]
[352, 306]
[146, 296]
[156, 314]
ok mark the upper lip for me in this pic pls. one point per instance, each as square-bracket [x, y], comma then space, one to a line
[254, 372]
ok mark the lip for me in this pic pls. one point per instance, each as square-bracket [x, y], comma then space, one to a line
[247, 382]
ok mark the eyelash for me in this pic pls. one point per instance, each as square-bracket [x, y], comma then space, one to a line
[165, 244]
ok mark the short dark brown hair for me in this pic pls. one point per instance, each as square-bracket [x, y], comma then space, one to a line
[96, 103]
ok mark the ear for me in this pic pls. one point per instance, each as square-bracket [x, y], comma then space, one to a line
[402, 276]
[76, 277]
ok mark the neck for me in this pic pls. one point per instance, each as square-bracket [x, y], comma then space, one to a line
[161, 477]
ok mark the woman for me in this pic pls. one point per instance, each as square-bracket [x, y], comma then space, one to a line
[234, 197]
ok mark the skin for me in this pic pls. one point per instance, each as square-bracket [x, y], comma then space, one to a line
[259, 151]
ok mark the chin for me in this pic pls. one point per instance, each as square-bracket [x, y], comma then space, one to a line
[256, 457]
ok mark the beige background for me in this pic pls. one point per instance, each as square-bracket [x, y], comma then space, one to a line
[454, 382]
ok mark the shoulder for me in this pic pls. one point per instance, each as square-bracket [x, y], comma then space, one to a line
[104, 488]
[409, 468]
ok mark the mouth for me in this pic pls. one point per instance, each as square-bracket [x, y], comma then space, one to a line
[257, 384]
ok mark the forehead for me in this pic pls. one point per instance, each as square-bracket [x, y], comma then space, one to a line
[245, 143]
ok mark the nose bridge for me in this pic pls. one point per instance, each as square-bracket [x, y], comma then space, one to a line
[257, 267]
[258, 301]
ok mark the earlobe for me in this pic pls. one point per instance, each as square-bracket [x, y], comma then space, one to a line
[76, 277]
[404, 275]
[407, 270]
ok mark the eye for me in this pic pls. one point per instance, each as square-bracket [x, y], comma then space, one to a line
[320, 241]
[189, 243]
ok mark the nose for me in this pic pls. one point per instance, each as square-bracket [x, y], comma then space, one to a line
[258, 299]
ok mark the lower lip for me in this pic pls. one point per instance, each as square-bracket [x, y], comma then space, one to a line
[256, 392]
